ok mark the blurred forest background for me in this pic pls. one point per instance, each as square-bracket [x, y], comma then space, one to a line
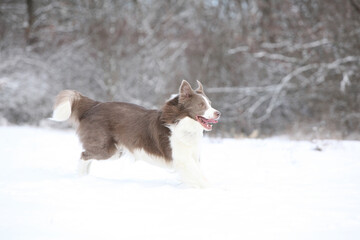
[271, 67]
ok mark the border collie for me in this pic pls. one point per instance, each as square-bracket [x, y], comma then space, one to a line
[169, 137]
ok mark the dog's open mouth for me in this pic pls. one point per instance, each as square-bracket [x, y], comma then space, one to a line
[206, 123]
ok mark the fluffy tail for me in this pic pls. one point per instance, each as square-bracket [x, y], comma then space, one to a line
[70, 104]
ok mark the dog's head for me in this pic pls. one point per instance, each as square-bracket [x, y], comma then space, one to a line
[197, 105]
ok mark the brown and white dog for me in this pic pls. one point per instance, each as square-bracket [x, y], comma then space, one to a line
[168, 137]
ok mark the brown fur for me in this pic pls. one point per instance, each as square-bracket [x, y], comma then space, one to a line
[172, 111]
[105, 127]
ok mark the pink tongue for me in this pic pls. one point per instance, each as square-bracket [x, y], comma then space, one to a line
[211, 121]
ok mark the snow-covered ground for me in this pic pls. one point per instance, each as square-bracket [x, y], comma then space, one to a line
[261, 189]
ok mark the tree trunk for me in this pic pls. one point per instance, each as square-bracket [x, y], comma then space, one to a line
[30, 12]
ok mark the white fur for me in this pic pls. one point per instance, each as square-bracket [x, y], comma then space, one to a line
[185, 142]
[141, 154]
[84, 167]
[210, 112]
[62, 112]
[172, 97]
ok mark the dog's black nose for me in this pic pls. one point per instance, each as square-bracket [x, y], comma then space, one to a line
[217, 114]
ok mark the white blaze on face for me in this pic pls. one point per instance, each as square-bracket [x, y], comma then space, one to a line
[210, 112]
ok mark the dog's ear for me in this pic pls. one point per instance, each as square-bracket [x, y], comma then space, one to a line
[200, 88]
[185, 91]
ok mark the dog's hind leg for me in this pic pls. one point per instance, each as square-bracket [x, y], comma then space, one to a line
[97, 153]
[84, 167]
[84, 163]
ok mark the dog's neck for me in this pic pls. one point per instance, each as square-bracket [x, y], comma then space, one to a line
[187, 130]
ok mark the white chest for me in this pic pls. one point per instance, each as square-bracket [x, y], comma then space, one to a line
[185, 140]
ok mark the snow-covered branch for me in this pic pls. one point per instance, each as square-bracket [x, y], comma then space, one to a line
[238, 50]
[244, 90]
[287, 46]
[275, 56]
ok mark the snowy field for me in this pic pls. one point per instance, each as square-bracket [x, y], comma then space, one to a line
[261, 189]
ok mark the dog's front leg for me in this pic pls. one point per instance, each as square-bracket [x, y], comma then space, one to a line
[185, 146]
[190, 172]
